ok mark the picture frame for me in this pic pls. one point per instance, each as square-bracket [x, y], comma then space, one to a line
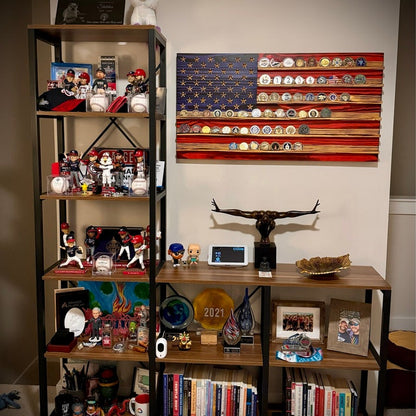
[294, 317]
[345, 318]
[59, 70]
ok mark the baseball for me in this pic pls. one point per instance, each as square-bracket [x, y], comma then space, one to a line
[139, 103]
[98, 103]
[59, 185]
[103, 264]
[139, 186]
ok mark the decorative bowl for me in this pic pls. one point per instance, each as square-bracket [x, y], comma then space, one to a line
[323, 267]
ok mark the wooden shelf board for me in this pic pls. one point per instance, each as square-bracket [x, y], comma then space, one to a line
[250, 355]
[92, 114]
[117, 276]
[285, 275]
[99, 353]
[79, 197]
[331, 359]
[96, 33]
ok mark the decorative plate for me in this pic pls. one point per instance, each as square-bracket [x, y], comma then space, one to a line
[323, 267]
[176, 312]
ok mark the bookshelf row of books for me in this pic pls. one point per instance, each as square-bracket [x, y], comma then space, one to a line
[309, 393]
[204, 390]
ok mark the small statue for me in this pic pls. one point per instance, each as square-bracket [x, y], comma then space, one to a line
[71, 252]
[184, 341]
[106, 166]
[84, 87]
[96, 325]
[69, 86]
[94, 171]
[265, 220]
[118, 169]
[77, 409]
[73, 163]
[100, 84]
[139, 247]
[194, 250]
[125, 238]
[130, 86]
[139, 83]
[93, 409]
[92, 235]
[139, 169]
[176, 251]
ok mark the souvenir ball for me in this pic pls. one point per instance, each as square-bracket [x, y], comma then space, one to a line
[59, 185]
[139, 103]
[139, 186]
[98, 103]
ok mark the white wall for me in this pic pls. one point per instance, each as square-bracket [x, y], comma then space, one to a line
[354, 197]
[401, 263]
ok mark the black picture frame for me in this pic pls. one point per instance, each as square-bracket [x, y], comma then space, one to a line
[90, 12]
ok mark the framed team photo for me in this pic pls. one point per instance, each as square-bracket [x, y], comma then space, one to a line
[298, 317]
[349, 327]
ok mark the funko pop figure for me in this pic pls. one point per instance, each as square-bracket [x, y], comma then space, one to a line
[176, 251]
[194, 250]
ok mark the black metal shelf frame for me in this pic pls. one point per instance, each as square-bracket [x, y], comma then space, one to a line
[157, 201]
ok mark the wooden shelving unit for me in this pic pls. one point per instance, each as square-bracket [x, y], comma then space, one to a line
[263, 353]
[60, 37]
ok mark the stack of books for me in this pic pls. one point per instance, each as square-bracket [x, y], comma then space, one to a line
[309, 393]
[203, 390]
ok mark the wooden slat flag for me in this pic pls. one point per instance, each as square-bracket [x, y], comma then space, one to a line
[323, 107]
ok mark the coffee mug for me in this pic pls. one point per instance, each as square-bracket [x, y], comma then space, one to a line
[139, 405]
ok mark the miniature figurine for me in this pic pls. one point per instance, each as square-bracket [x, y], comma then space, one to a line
[184, 341]
[69, 86]
[94, 171]
[92, 408]
[65, 233]
[176, 251]
[92, 235]
[125, 238]
[71, 252]
[84, 87]
[264, 265]
[106, 165]
[73, 163]
[265, 220]
[144, 316]
[132, 331]
[139, 169]
[118, 169]
[96, 325]
[100, 84]
[139, 247]
[139, 83]
[77, 409]
[130, 85]
[194, 250]
[63, 165]
[144, 12]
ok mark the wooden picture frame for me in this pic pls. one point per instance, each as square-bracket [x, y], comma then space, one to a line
[351, 316]
[289, 318]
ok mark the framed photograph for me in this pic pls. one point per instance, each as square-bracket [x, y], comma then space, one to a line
[295, 317]
[349, 327]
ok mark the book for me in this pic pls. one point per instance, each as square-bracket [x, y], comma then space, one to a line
[354, 398]
[174, 374]
[328, 395]
[310, 379]
[344, 392]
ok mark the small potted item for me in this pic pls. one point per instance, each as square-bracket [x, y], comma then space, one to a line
[184, 341]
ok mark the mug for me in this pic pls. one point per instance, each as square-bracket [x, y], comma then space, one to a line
[139, 405]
